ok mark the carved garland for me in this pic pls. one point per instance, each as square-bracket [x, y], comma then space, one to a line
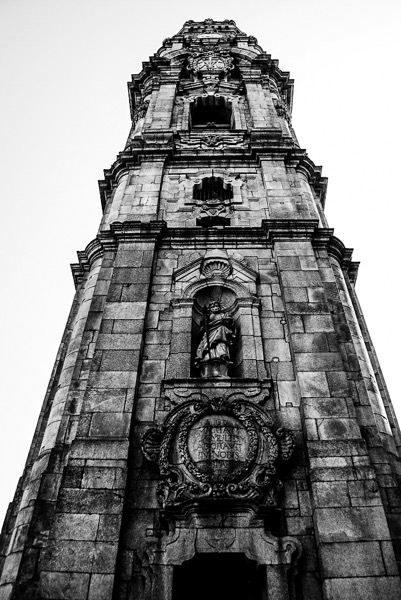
[249, 473]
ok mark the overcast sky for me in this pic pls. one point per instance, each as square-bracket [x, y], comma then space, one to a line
[64, 116]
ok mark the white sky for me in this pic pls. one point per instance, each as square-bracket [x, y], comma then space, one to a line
[64, 116]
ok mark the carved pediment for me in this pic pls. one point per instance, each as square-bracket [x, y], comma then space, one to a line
[216, 268]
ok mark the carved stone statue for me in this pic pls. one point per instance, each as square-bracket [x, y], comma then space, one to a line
[217, 335]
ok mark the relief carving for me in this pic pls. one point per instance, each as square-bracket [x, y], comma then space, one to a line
[218, 334]
[210, 61]
[218, 448]
[210, 140]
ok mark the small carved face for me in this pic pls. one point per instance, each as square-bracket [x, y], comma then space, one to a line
[215, 307]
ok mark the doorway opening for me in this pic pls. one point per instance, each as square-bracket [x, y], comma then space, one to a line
[219, 577]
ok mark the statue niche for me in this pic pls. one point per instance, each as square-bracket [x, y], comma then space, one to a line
[215, 332]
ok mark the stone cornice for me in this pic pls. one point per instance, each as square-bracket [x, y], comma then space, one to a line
[258, 144]
[227, 237]
[129, 231]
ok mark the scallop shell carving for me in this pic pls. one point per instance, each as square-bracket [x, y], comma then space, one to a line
[216, 268]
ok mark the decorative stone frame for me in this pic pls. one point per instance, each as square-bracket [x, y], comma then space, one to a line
[278, 555]
[211, 101]
[242, 281]
[233, 102]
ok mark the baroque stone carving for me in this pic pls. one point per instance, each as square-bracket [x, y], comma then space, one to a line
[140, 110]
[210, 61]
[281, 109]
[214, 449]
[216, 264]
[210, 140]
[218, 334]
[214, 213]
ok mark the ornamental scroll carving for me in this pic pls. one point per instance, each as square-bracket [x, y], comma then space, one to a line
[218, 449]
[210, 61]
[140, 110]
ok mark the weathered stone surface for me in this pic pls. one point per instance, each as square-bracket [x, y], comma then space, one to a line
[192, 215]
[368, 588]
[64, 586]
[346, 524]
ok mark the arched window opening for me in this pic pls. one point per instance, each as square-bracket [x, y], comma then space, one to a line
[212, 189]
[211, 112]
[219, 577]
[214, 195]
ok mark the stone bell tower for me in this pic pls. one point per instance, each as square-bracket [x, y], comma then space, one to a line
[216, 424]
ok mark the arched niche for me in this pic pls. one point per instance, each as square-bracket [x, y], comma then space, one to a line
[206, 340]
[204, 280]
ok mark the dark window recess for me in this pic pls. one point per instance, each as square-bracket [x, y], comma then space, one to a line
[211, 113]
[219, 577]
[212, 188]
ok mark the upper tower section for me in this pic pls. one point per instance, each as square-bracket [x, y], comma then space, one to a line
[210, 63]
[211, 142]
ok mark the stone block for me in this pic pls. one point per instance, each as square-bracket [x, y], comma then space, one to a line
[128, 257]
[69, 526]
[366, 588]
[304, 308]
[74, 556]
[152, 371]
[272, 328]
[104, 401]
[112, 379]
[158, 337]
[351, 559]
[305, 279]
[276, 348]
[337, 428]
[288, 263]
[313, 385]
[309, 342]
[179, 365]
[338, 383]
[318, 361]
[288, 392]
[90, 501]
[129, 275]
[316, 294]
[119, 360]
[126, 326]
[299, 526]
[145, 409]
[120, 341]
[64, 586]
[103, 478]
[132, 292]
[284, 371]
[101, 587]
[347, 524]
[336, 448]
[110, 424]
[330, 494]
[316, 323]
[295, 324]
[109, 528]
[389, 558]
[297, 294]
[125, 310]
[325, 407]
[99, 449]
[293, 248]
